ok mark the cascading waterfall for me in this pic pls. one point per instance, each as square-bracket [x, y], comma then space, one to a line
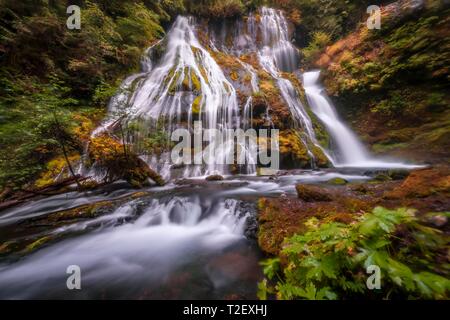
[349, 148]
[278, 50]
[279, 54]
[350, 151]
[185, 86]
[193, 235]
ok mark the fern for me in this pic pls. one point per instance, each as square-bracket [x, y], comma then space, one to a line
[329, 260]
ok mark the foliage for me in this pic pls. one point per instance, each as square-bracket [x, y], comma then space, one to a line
[396, 80]
[48, 69]
[319, 41]
[333, 17]
[329, 260]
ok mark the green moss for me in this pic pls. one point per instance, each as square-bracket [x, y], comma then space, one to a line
[383, 147]
[337, 181]
[172, 79]
[196, 105]
[195, 82]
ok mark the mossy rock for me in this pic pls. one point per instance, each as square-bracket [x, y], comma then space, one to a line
[398, 174]
[37, 244]
[196, 105]
[310, 193]
[337, 181]
[234, 76]
[196, 84]
[120, 162]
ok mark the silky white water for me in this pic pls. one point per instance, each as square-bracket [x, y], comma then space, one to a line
[350, 151]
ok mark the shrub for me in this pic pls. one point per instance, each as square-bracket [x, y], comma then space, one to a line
[319, 41]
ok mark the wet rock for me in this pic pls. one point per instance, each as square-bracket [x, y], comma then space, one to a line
[310, 193]
[37, 244]
[360, 188]
[337, 181]
[214, 177]
[249, 209]
[7, 247]
[121, 163]
[398, 174]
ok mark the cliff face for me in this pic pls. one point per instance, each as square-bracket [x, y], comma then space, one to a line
[392, 84]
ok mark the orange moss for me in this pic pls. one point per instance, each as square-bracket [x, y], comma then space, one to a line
[57, 167]
[423, 183]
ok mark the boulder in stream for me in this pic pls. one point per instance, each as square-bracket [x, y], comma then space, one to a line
[310, 193]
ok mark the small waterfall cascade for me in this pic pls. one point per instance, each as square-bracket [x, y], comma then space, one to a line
[267, 34]
[160, 237]
[186, 83]
[350, 152]
[277, 54]
[349, 149]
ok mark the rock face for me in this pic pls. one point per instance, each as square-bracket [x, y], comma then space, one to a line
[312, 193]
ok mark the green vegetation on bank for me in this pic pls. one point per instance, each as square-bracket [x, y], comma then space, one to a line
[329, 260]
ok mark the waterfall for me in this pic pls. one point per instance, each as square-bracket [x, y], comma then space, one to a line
[187, 84]
[278, 48]
[350, 151]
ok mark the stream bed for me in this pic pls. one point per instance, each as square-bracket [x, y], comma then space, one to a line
[192, 240]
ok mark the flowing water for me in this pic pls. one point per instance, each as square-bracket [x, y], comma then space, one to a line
[350, 152]
[176, 242]
[194, 239]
